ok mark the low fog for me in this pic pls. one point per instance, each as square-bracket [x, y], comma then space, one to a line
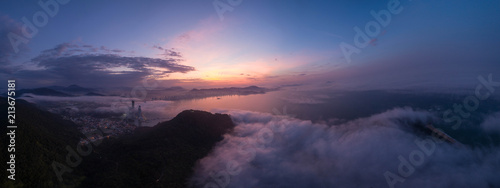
[377, 151]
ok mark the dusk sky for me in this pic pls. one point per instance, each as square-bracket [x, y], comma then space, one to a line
[424, 45]
[251, 93]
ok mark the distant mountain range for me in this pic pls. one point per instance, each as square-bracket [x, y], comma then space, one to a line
[215, 92]
[159, 156]
[74, 89]
[58, 91]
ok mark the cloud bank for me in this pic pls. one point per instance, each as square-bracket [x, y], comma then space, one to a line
[70, 63]
[272, 151]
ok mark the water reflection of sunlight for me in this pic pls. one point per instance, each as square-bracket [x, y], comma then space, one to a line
[259, 103]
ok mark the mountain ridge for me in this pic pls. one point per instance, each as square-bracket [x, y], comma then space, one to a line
[151, 156]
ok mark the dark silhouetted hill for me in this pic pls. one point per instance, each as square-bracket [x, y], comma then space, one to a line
[152, 156]
[159, 156]
[41, 138]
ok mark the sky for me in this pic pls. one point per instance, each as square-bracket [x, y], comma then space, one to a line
[422, 44]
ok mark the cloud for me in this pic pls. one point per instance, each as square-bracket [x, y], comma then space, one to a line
[101, 62]
[271, 151]
[7, 53]
[66, 48]
[76, 48]
[69, 63]
[429, 69]
[492, 123]
[169, 53]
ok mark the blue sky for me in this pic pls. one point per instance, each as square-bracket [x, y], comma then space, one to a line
[266, 43]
